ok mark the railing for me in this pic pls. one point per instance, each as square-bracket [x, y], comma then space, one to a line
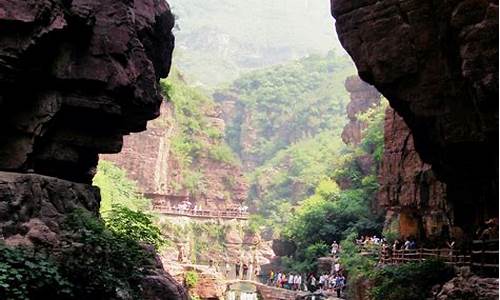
[482, 258]
[225, 214]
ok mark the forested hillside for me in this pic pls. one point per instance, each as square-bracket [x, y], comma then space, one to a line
[285, 124]
[219, 40]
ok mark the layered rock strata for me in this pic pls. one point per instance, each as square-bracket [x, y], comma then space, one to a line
[75, 76]
[414, 199]
[437, 64]
[363, 97]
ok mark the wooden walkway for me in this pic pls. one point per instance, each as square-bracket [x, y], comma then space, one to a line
[203, 214]
[482, 258]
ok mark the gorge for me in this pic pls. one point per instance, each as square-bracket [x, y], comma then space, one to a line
[266, 144]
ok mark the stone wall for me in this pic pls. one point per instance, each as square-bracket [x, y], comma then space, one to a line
[437, 64]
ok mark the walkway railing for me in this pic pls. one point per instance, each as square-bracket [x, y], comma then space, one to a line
[225, 214]
[483, 258]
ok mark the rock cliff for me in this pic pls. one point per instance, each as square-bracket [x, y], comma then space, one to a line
[363, 97]
[414, 199]
[149, 159]
[75, 77]
[437, 64]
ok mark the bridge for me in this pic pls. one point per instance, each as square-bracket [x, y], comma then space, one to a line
[202, 214]
[267, 292]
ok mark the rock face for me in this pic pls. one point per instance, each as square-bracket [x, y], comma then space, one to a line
[437, 64]
[148, 159]
[415, 200]
[145, 155]
[75, 76]
[468, 286]
[363, 97]
[33, 206]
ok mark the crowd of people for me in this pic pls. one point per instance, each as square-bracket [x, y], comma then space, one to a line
[333, 281]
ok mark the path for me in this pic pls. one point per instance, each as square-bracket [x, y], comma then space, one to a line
[274, 293]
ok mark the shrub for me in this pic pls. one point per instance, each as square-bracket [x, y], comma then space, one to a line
[135, 225]
[99, 262]
[411, 281]
[28, 275]
[191, 279]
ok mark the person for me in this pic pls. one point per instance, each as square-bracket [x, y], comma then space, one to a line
[321, 282]
[407, 244]
[339, 284]
[335, 248]
[245, 270]
[284, 281]
[337, 267]
[277, 281]
[312, 283]
[237, 269]
[271, 277]
[227, 267]
[450, 244]
[413, 244]
[290, 282]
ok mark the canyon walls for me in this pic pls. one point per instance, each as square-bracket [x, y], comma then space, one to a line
[75, 77]
[414, 199]
[437, 64]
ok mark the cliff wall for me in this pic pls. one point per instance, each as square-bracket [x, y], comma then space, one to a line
[75, 77]
[363, 97]
[437, 64]
[415, 200]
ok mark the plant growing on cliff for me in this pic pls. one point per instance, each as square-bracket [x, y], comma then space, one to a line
[116, 188]
[135, 225]
[25, 274]
[191, 278]
[99, 262]
[411, 281]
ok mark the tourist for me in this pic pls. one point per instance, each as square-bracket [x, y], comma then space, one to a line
[290, 282]
[311, 281]
[271, 277]
[407, 243]
[321, 282]
[284, 281]
[335, 248]
[237, 270]
[337, 266]
[227, 267]
[277, 280]
[245, 271]
[339, 284]
[450, 244]
[413, 244]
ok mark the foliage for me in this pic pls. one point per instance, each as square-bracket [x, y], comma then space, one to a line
[308, 262]
[195, 137]
[93, 263]
[223, 153]
[135, 225]
[99, 263]
[25, 274]
[373, 135]
[411, 281]
[191, 279]
[116, 188]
